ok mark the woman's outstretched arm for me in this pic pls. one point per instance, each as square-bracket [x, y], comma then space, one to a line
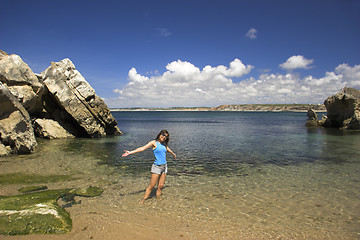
[140, 149]
[170, 151]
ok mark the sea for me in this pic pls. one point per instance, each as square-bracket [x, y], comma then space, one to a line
[263, 175]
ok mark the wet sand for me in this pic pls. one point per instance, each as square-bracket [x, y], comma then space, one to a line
[116, 216]
[112, 224]
[94, 218]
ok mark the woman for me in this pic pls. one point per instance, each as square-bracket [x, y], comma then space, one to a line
[159, 168]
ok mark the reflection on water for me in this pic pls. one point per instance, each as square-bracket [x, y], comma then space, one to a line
[257, 174]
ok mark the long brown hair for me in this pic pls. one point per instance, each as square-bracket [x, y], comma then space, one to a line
[166, 142]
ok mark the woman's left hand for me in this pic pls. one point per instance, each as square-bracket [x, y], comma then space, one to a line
[127, 153]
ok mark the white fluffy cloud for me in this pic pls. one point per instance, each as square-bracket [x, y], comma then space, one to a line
[251, 33]
[184, 84]
[295, 62]
[135, 77]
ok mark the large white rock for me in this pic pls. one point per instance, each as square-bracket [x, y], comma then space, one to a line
[22, 82]
[16, 131]
[73, 94]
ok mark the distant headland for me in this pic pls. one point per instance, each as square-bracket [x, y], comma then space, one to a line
[239, 107]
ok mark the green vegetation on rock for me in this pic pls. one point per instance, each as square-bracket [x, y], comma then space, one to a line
[34, 213]
[39, 212]
[88, 192]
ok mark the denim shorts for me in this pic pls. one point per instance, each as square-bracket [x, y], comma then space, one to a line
[159, 169]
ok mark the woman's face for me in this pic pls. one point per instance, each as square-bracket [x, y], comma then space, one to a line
[163, 137]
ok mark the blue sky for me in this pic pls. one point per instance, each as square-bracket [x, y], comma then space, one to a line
[192, 53]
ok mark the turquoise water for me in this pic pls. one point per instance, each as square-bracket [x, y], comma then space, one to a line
[220, 143]
[260, 172]
[238, 175]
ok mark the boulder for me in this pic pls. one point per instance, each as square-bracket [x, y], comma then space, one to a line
[4, 150]
[50, 129]
[313, 120]
[16, 131]
[72, 99]
[343, 109]
[40, 212]
[61, 103]
[22, 82]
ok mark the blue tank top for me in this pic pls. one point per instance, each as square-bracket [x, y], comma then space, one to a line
[160, 154]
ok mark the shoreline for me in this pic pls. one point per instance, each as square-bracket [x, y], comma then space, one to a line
[234, 108]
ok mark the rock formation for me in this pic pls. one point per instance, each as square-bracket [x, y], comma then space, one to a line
[313, 120]
[22, 82]
[16, 131]
[74, 95]
[59, 103]
[343, 111]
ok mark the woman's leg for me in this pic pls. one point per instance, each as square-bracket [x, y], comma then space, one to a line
[160, 185]
[153, 181]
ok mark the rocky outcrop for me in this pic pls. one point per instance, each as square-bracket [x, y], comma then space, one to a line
[16, 131]
[22, 82]
[59, 102]
[313, 120]
[343, 109]
[73, 94]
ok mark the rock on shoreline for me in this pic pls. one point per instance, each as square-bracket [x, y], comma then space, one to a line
[58, 103]
[69, 90]
[343, 111]
[38, 211]
[16, 131]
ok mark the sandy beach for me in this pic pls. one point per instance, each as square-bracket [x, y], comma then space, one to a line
[104, 218]
[92, 219]
[118, 225]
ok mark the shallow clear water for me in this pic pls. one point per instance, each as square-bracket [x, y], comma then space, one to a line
[216, 143]
[251, 174]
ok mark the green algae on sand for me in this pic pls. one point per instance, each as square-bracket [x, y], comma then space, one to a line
[87, 192]
[23, 178]
[38, 212]
[32, 189]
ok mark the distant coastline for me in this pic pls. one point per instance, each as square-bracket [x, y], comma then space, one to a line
[239, 107]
